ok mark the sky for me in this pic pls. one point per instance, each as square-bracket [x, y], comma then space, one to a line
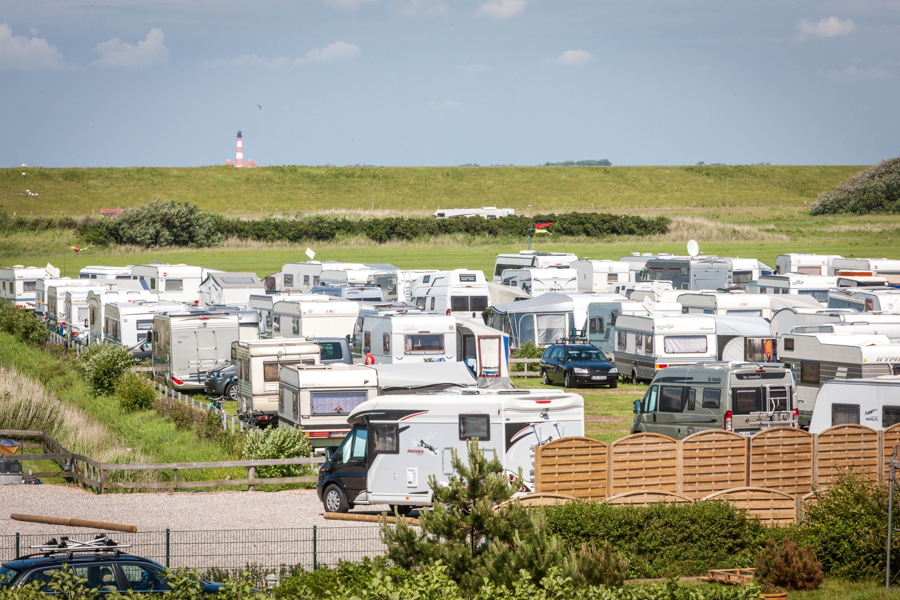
[111, 83]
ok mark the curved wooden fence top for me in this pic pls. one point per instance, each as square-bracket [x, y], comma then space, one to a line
[647, 497]
[531, 500]
[769, 506]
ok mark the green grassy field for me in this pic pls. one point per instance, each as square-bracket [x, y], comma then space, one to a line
[414, 189]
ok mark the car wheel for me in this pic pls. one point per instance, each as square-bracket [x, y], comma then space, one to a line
[231, 391]
[544, 379]
[334, 500]
[567, 380]
[614, 384]
[401, 509]
[634, 377]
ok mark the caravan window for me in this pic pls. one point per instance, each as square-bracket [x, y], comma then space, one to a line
[153, 283]
[367, 339]
[28, 286]
[331, 351]
[420, 302]
[746, 401]
[433, 298]
[711, 398]
[174, 285]
[459, 303]
[684, 344]
[648, 344]
[145, 325]
[890, 415]
[621, 340]
[287, 279]
[844, 414]
[742, 276]
[692, 398]
[386, 343]
[422, 343]
[671, 399]
[386, 439]
[638, 341]
[295, 325]
[595, 325]
[336, 403]
[475, 426]
[809, 372]
[93, 316]
[788, 343]
[467, 278]
[276, 323]
[270, 371]
[478, 303]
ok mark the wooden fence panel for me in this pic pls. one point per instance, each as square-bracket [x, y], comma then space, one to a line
[713, 461]
[769, 506]
[573, 466]
[781, 459]
[844, 446]
[646, 498]
[643, 460]
[890, 437]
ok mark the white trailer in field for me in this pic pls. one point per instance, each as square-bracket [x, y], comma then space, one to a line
[97, 302]
[646, 344]
[313, 316]
[727, 303]
[599, 275]
[128, 323]
[187, 345]
[885, 300]
[176, 283]
[264, 305]
[485, 212]
[531, 258]
[805, 263]
[460, 293]
[56, 314]
[229, 288]
[104, 272]
[396, 337]
[814, 286]
[873, 402]
[535, 282]
[18, 284]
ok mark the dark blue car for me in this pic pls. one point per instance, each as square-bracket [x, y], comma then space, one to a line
[576, 365]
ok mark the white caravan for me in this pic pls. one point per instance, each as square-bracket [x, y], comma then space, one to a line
[78, 308]
[187, 345]
[18, 284]
[542, 281]
[176, 283]
[43, 285]
[396, 337]
[264, 305]
[888, 325]
[707, 273]
[599, 275]
[56, 314]
[736, 303]
[805, 263]
[820, 357]
[602, 318]
[97, 301]
[396, 286]
[816, 286]
[398, 443]
[127, 323]
[313, 316]
[882, 267]
[873, 402]
[628, 289]
[460, 293]
[319, 398]
[787, 320]
[229, 288]
[304, 276]
[105, 273]
[865, 300]
[646, 344]
[531, 258]
[258, 364]
[486, 350]
[486, 212]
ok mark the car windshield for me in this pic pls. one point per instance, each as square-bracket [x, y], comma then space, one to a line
[7, 575]
[584, 355]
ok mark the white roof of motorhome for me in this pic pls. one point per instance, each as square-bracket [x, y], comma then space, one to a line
[799, 281]
[316, 304]
[167, 270]
[867, 264]
[726, 300]
[284, 345]
[228, 280]
[145, 308]
[665, 324]
[807, 259]
[23, 272]
[107, 270]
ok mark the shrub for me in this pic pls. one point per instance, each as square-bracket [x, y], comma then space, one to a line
[278, 442]
[526, 350]
[23, 324]
[103, 365]
[787, 565]
[876, 189]
[135, 392]
[159, 223]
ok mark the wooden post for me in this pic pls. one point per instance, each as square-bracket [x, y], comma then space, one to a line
[251, 474]
[102, 479]
[175, 489]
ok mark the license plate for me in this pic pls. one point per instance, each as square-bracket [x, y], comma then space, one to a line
[598, 377]
[746, 433]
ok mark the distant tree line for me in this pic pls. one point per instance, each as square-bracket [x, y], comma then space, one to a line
[580, 163]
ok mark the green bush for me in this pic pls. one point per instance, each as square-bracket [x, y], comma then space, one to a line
[103, 365]
[526, 350]
[662, 539]
[135, 392]
[875, 190]
[23, 324]
[278, 442]
[789, 566]
[159, 223]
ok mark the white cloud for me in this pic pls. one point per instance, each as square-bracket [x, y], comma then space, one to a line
[338, 51]
[574, 58]
[351, 4]
[475, 68]
[116, 54]
[855, 74]
[21, 52]
[445, 105]
[826, 28]
[500, 9]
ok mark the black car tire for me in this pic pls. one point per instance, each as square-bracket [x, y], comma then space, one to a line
[544, 378]
[401, 509]
[230, 391]
[567, 380]
[334, 500]
[614, 384]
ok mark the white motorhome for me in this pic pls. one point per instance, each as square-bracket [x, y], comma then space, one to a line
[820, 357]
[542, 281]
[728, 303]
[258, 365]
[396, 286]
[628, 289]
[873, 402]
[816, 286]
[637, 261]
[602, 318]
[646, 344]
[187, 345]
[805, 263]
[77, 309]
[398, 443]
[103, 272]
[97, 301]
[882, 267]
[531, 258]
[865, 300]
[706, 273]
[127, 323]
[319, 398]
[599, 275]
[176, 283]
[18, 284]
[396, 337]
[313, 316]
[459, 293]
[304, 276]
[229, 288]
[264, 305]
[56, 314]
[485, 212]
[43, 285]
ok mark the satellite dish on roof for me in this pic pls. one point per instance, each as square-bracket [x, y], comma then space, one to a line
[693, 248]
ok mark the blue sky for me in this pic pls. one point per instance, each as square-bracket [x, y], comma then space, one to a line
[431, 82]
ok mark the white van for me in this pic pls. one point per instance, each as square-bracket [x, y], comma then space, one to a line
[258, 364]
[176, 283]
[805, 263]
[18, 284]
[865, 300]
[816, 286]
[820, 357]
[264, 305]
[883, 267]
[873, 402]
[542, 281]
[531, 258]
[396, 337]
[459, 293]
[103, 272]
[646, 344]
[728, 303]
[229, 288]
[127, 323]
[187, 345]
[313, 316]
[598, 275]
[97, 302]
[398, 443]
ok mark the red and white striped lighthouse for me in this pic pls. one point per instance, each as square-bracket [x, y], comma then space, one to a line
[239, 160]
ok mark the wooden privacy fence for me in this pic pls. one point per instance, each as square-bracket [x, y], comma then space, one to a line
[95, 475]
[782, 459]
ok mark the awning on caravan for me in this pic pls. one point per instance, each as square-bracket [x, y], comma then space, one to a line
[422, 377]
[500, 294]
[273, 281]
[542, 320]
[732, 325]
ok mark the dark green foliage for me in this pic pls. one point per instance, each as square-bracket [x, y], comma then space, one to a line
[526, 350]
[159, 223]
[135, 392]
[663, 538]
[313, 585]
[23, 324]
[875, 190]
[204, 423]
[103, 365]
[788, 565]
[278, 442]
[580, 163]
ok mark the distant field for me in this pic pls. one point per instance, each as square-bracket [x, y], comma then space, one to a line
[414, 189]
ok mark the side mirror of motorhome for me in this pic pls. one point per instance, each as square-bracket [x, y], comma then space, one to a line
[86, 324]
[149, 337]
[637, 407]
[332, 453]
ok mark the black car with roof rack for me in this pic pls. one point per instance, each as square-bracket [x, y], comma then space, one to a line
[575, 364]
[101, 561]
